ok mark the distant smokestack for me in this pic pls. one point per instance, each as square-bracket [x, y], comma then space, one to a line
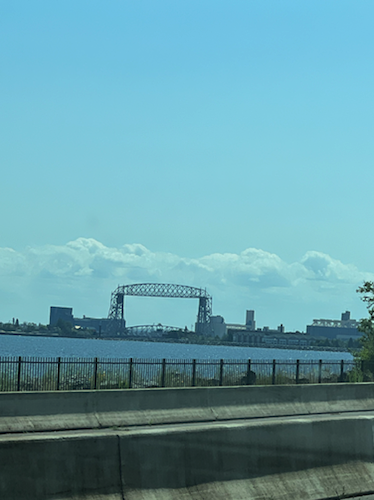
[250, 322]
[346, 316]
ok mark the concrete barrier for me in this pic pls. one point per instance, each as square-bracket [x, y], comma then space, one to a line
[304, 459]
[43, 411]
[206, 443]
[308, 458]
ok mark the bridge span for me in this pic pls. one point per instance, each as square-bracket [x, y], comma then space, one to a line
[150, 331]
[311, 442]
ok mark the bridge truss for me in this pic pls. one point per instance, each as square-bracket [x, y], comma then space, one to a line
[116, 310]
[150, 331]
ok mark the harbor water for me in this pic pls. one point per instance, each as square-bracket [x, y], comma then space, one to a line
[46, 347]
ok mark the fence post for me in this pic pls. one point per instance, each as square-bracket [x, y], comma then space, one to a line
[193, 372]
[19, 374]
[320, 371]
[220, 372]
[341, 370]
[297, 370]
[248, 372]
[163, 373]
[95, 374]
[58, 374]
[130, 373]
[273, 376]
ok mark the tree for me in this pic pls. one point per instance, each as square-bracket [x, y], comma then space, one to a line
[366, 326]
[367, 291]
[65, 326]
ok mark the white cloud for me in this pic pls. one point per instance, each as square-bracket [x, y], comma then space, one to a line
[86, 257]
[11, 262]
[324, 267]
[86, 267]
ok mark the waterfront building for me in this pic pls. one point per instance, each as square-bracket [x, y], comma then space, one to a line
[342, 329]
[66, 314]
[250, 335]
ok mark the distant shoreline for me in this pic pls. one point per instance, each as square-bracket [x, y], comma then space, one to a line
[173, 341]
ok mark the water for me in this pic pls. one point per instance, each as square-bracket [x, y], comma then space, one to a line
[17, 345]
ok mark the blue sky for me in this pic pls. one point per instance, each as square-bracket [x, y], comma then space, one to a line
[231, 135]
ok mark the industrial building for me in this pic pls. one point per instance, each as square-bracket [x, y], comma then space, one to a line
[218, 326]
[101, 325]
[342, 329]
[250, 335]
[63, 313]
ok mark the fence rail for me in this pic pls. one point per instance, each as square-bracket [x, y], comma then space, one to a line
[45, 374]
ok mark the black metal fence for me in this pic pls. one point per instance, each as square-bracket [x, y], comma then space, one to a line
[45, 374]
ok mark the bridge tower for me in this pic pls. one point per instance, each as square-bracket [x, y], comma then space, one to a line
[116, 312]
[203, 316]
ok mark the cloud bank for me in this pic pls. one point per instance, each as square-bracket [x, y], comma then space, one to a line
[86, 271]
